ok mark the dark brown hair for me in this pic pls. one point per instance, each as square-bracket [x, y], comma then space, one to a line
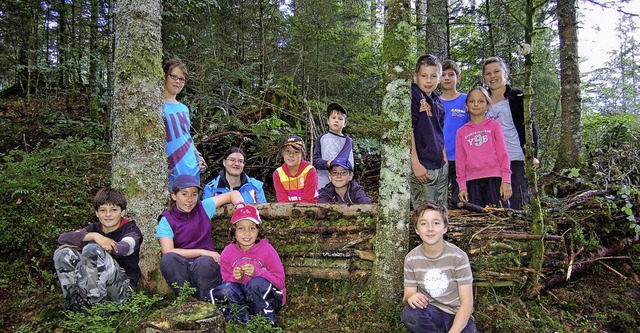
[232, 233]
[171, 64]
[452, 65]
[428, 60]
[107, 196]
[429, 205]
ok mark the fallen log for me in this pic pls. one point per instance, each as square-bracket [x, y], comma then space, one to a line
[277, 210]
[580, 266]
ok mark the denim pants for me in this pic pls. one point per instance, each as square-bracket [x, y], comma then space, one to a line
[237, 301]
[431, 320]
[93, 274]
[203, 273]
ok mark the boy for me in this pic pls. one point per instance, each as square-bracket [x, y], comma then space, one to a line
[454, 117]
[438, 294]
[332, 144]
[100, 262]
[342, 188]
[428, 156]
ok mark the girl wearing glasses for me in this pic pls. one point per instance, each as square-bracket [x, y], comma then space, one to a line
[183, 157]
[233, 177]
[342, 188]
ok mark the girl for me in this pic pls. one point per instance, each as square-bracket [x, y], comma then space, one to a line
[234, 177]
[296, 180]
[184, 233]
[184, 158]
[252, 272]
[507, 107]
[482, 161]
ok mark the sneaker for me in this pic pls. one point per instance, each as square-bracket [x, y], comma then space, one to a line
[76, 303]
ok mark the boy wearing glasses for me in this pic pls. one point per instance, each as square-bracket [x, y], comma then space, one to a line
[296, 180]
[332, 144]
[342, 189]
[183, 157]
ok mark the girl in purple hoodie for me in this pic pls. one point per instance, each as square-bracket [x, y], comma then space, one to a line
[252, 273]
[482, 161]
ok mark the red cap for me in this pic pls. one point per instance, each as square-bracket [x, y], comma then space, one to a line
[246, 213]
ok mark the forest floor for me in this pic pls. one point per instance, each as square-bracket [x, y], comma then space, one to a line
[602, 299]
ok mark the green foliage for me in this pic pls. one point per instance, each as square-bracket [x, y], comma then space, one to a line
[109, 317]
[47, 192]
[185, 293]
[611, 130]
[256, 324]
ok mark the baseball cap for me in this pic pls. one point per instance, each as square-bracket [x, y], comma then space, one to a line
[293, 141]
[246, 213]
[341, 161]
[184, 181]
[335, 106]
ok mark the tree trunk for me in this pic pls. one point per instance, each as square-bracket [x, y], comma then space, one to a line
[139, 162]
[570, 142]
[94, 91]
[537, 223]
[436, 41]
[392, 237]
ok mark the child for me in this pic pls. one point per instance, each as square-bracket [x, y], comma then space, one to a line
[233, 177]
[507, 107]
[252, 273]
[107, 268]
[342, 188]
[296, 180]
[183, 157]
[454, 117]
[184, 233]
[428, 155]
[332, 144]
[438, 294]
[483, 171]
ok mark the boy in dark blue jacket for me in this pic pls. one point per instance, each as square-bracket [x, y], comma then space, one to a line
[342, 188]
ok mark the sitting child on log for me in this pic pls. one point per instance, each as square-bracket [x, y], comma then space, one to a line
[252, 272]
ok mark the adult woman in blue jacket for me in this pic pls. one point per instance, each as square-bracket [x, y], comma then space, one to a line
[233, 177]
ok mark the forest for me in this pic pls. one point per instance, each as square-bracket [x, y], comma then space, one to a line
[80, 105]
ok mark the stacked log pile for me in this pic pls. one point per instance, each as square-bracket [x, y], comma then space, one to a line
[336, 241]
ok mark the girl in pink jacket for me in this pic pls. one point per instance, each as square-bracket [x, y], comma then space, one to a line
[252, 272]
[482, 161]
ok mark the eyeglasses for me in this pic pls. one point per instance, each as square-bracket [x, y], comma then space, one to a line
[342, 173]
[177, 78]
[233, 161]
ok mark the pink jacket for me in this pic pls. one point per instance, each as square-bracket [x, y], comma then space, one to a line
[481, 152]
[262, 255]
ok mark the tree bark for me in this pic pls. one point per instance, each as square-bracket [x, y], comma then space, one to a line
[569, 146]
[436, 41]
[139, 162]
[537, 223]
[392, 237]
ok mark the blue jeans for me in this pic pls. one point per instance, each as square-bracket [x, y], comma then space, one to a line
[203, 273]
[431, 320]
[237, 301]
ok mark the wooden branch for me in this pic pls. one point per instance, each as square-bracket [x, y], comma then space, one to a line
[580, 266]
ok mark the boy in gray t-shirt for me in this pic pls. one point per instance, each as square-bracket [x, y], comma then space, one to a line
[438, 294]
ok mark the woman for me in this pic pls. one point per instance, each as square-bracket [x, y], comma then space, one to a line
[233, 177]
[507, 107]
